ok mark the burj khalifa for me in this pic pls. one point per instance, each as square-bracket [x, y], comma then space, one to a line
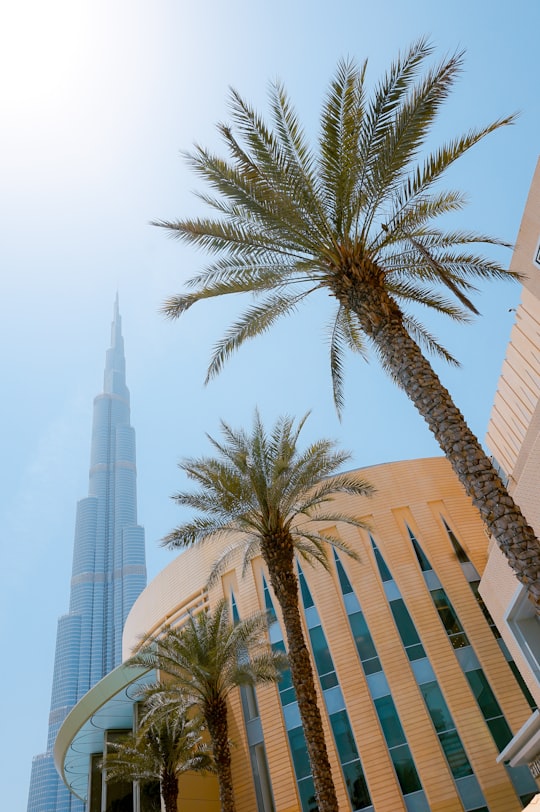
[109, 572]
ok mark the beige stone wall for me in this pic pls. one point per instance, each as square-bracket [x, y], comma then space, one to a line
[419, 493]
[513, 435]
[515, 420]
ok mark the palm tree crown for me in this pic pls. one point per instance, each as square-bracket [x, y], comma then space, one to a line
[358, 219]
[167, 743]
[358, 213]
[270, 496]
[201, 662]
[261, 486]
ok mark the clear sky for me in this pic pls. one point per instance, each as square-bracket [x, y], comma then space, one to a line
[97, 100]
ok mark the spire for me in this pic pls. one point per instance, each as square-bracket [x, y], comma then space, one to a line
[114, 382]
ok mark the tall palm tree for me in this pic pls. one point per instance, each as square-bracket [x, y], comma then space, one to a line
[168, 742]
[268, 495]
[357, 218]
[204, 660]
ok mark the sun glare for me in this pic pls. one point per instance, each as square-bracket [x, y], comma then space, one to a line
[41, 52]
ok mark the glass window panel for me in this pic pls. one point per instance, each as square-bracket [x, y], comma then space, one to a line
[408, 633]
[459, 640]
[474, 585]
[334, 699]
[306, 594]
[425, 566]
[351, 603]
[467, 659]
[299, 753]
[275, 633]
[372, 666]
[342, 575]
[386, 711]
[455, 754]
[446, 611]
[470, 792]
[235, 613]
[268, 605]
[362, 637]
[462, 556]
[417, 802]
[432, 580]
[346, 746]
[521, 682]
[500, 731]
[312, 617]
[291, 715]
[261, 775]
[321, 652]
[356, 786]
[306, 791]
[522, 780]
[285, 688]
[405, 769]
[483, 693]
[391, 591]
[378, 685]
[381, 564]
[416, 652]
[423, 671]
[249, 702]
[437, 707]
[288, 695]
[329, 680]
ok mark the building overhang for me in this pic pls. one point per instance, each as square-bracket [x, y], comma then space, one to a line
[524, 748]
[108, 705]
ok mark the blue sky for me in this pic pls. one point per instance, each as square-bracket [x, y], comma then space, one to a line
[98, 100]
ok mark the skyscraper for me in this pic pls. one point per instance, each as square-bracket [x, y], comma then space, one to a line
[109, 571]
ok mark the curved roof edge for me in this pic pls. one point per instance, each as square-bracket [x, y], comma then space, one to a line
[107, 705]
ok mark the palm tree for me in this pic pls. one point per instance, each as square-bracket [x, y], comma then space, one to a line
[168, 742]
[357, 219]
[262, 490]
[204, 660]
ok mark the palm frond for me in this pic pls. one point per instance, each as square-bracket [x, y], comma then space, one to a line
[255, 321]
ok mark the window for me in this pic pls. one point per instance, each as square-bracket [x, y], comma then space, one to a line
[407, 631]
[525, 627]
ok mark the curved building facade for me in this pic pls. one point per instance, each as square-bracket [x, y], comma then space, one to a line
[417, 689]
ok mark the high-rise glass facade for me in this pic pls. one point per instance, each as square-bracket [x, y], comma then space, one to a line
[109, 571]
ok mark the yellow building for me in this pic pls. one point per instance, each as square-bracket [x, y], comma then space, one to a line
[514, 440]
[426, 650]
[415, 684]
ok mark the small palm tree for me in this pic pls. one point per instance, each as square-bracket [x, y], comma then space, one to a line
[356, 219]
[203, 661]
[263, 490]
[168, 742]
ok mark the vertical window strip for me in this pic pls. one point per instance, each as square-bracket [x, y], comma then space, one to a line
[291, 716]
[252, 724]
[387, 714]
[490, 709]
[473, 579]
[454, 752]
[339, 718]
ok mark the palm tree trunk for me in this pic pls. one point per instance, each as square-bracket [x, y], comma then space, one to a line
[382, 321]
[285, 585]
[216, 721]
[169, 791]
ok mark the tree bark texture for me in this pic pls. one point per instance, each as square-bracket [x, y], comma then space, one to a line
[278, 555]
[215, 715]
[382, 321]
[169, 791]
